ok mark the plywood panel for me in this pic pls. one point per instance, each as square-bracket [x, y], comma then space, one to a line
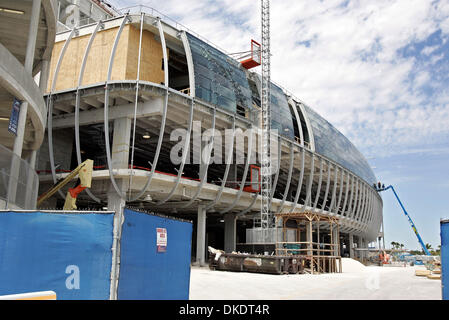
[97, 63]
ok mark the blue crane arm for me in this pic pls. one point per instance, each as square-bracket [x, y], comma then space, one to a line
[409, 220]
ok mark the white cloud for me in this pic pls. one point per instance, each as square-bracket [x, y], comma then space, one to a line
[344, 61]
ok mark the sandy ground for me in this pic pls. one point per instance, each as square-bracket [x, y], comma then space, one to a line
[367, 283]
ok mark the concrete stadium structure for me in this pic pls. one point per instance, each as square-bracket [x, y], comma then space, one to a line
[119, 88]
[27, 34]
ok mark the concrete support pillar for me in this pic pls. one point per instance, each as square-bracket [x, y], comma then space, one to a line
[230, 232]
[351, 245]
[120, 158]
[360, 246]
[120, 143]
[201, 237]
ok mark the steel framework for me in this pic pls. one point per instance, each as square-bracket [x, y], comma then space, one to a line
[265, 213]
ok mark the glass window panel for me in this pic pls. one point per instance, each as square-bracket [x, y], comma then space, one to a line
[223, 78]
[332, 144]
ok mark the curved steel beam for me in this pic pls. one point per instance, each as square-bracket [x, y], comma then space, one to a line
[341, 192]
[77, 103]
[203, 177]
[351, 197]
[276, 178]
[249, 207]
[363, 205]
[164, 118]
[106, 109]
[343, 208]
[334, 189]
[298, 120]
[136, 97]
[185, 154]
[289, 178]
[245, 173]
[190, 65]
[301, 177]
[308, 200]
[359, 201]
[50, 108]
[356, 195]
[323, 205]
[320, 181]
[228, 164]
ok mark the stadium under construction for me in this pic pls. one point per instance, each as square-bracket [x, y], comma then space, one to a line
[122, 91]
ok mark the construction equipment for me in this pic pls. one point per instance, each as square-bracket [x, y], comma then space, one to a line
[265, 212]
[84, 172]
[408, 217]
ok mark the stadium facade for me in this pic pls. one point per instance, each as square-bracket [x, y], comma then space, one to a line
[27, 35]
[117, 91]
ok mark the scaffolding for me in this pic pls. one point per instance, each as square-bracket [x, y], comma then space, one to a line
[320, 248]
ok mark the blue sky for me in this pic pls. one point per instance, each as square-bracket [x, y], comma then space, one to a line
[377, 70]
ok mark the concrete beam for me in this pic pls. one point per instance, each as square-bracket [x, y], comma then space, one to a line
[153, 107]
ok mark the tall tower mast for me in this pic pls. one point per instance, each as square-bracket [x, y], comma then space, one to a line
[265, 213]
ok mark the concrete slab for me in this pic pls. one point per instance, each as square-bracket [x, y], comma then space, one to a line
[371, 283]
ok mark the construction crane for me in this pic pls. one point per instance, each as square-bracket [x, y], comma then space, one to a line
[265, 212]
[380, 189]
[84, 172]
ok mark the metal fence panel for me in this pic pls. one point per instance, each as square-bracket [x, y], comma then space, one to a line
[145, 271]
[67, 253]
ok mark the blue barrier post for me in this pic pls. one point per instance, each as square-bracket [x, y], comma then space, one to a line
[445, 258]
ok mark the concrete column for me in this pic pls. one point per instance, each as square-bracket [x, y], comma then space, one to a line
[351, 245]
[201, 236]
[120, 143]
[120, 158]
[230, 232]
[360, 246]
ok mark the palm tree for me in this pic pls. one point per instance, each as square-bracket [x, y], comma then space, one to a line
[428, 247]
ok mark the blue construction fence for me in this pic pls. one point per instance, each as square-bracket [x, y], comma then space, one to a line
[445, 258]
[71, 253]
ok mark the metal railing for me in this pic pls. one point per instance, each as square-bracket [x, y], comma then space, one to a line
[19, 183]
[138, 9]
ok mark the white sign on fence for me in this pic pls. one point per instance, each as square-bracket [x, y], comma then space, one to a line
[161, 239]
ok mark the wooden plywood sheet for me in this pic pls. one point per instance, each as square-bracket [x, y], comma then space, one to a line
[97, 63]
